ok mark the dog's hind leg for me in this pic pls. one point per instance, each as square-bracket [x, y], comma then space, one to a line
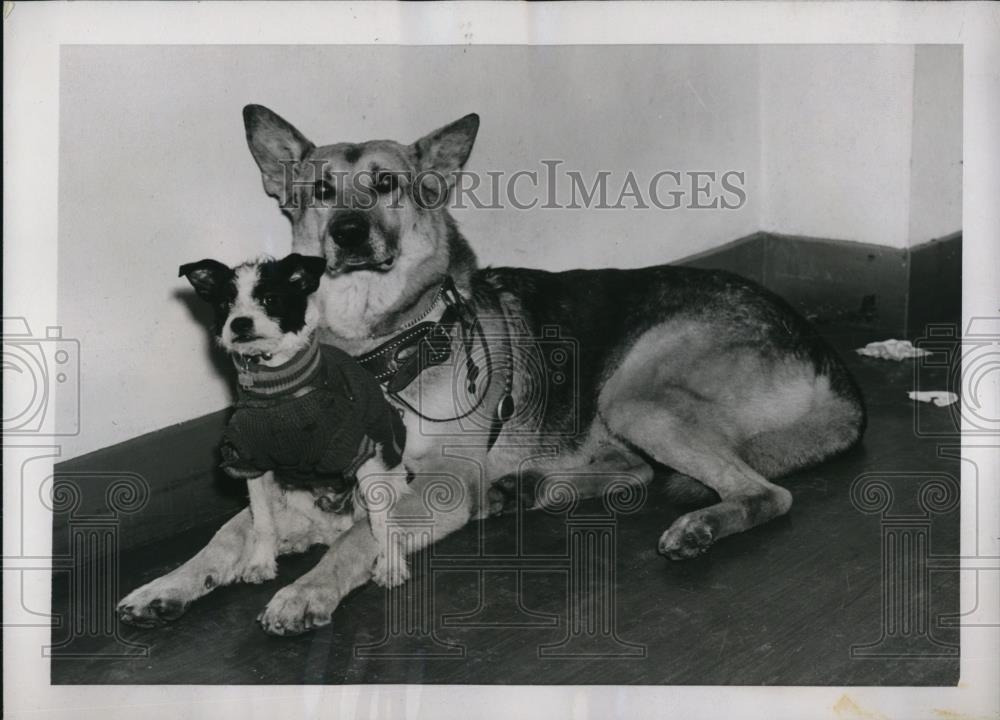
[547, 484]
[612, 474]
[591, 481]
[218, 563]
[834, 426]
[536, 489]
[695, 448]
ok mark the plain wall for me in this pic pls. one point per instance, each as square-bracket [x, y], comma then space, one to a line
[155, 172]
[836, 141]
[936, 167]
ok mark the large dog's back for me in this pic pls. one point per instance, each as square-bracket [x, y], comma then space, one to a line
[780, 392]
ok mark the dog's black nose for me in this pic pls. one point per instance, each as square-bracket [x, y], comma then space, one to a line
[241, 325]
[349, 230]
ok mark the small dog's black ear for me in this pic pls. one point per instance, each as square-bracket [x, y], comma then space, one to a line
[206, 276]
[303, 271]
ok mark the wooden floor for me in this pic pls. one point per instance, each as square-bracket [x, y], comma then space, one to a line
[781, 605]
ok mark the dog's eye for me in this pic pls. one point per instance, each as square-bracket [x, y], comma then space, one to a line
[323, 190]
[386, 182]
[270, 301]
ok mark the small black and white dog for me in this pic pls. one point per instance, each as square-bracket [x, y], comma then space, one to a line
[307, 415]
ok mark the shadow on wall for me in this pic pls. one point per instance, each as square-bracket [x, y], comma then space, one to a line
[202, 314]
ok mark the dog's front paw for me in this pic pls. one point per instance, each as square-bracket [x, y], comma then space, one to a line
[262, 564]
[294, 545]
[259, 570]
[688, 537]
[390, 571]
[509, 492]
[297, 609]
[152, 605]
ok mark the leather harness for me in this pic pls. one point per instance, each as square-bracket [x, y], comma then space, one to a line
[397, 362]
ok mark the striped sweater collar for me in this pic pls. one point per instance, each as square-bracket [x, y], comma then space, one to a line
[260, 381]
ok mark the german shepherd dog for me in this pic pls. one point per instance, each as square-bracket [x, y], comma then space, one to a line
[700, 372]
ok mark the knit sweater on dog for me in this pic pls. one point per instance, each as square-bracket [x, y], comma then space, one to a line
[313, 420]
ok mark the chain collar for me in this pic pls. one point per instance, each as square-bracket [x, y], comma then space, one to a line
[412, 322]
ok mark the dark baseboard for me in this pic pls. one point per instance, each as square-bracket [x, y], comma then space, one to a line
[745, 256]
[935, 290]
[151, 487]
[889, 292]
[885, 291]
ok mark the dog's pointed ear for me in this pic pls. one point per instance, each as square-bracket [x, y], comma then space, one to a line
[303, 272]
[446, 149]
[274, 144]
[206, 277]
[440, 156]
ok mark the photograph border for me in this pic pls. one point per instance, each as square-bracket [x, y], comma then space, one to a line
[33, 35]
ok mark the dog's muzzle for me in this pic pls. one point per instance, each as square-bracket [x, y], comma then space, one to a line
[356, 245]
[350, 230]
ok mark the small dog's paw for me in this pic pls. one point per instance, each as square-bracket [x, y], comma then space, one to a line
[688, 537]
[292, 546]
[297, 609]
[258, 571]
[390, 573]
[511, 491]
[152, 605]
[261, 564]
